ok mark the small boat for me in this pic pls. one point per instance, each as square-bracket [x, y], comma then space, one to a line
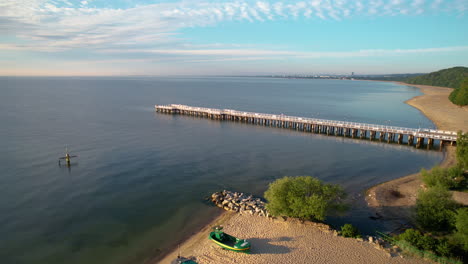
[229, 242]
[182, 260]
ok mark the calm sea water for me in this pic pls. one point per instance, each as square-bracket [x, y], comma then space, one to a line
[139, 183]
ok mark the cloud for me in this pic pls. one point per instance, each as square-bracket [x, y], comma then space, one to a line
[238, 54]
[58, 25]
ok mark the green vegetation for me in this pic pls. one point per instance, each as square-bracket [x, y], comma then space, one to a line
[348, 230]
[435, 209]
[459, 96]
[449, 178]
[426, 242]
[461, 224]
[303, 197]
[438, 213]
[451, 77]
[462, 150]
[452, 178]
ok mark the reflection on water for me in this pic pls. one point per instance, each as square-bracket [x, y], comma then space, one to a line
[364, 141]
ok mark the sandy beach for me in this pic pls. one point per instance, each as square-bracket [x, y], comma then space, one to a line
[290, 241]
[395, 198]
[279, 241]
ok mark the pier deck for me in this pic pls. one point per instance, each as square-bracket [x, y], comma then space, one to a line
[391, 134]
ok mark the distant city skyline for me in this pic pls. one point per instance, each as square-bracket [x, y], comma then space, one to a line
[188, 37]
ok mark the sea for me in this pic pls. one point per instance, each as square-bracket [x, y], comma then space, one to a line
[139, 183]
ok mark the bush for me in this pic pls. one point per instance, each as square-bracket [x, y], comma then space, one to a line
[348, 230]
[444, 248]
[462, 150]
[435, 209]
[415, 238]
[461, 224]
[303, 197]
[451, 178]
[426, 242]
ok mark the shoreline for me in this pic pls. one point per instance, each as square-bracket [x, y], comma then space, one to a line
[381, 196]
[193, 240]
[395, 198]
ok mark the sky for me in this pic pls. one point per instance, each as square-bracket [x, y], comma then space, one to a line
[203, 37]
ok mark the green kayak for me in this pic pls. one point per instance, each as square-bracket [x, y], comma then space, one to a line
[229, 242]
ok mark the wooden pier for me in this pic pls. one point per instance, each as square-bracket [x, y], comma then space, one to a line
[390, 134]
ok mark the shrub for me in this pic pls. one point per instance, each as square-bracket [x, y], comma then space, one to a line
[462, 150]
[410, 235]
[348, 230]
[444, 248]
[435, 209]
[304, 197]
[461, 224]
[426, 242]
[451, 178]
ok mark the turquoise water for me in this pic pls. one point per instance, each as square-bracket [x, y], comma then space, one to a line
[139, 183]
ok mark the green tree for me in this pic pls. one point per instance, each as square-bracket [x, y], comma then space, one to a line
[462, 150]
[303, 197]
[459, 96]
[435, 209]
[461, 224]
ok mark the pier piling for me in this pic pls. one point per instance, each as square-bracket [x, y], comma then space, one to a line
[320, 126]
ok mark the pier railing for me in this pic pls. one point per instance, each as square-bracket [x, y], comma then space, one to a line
[323, 125]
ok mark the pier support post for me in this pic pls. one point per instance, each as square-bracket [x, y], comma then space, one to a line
[430, 143]
[362, 133]
[419, 142]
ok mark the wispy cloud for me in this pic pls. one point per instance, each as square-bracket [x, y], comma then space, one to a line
[58, 25]
[277, 54]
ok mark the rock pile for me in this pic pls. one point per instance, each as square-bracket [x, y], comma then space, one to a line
[239, 202]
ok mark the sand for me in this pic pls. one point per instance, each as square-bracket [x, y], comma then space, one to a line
[434, 103]
[279, 241]
[395, 199]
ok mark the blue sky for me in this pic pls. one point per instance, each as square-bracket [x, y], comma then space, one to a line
[136, 37]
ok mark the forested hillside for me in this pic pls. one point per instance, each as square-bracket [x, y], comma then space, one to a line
[452, 77]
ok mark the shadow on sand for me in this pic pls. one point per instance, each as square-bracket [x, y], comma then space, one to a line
[265, 246]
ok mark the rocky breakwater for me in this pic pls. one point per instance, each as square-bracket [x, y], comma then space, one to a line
[240, 203]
